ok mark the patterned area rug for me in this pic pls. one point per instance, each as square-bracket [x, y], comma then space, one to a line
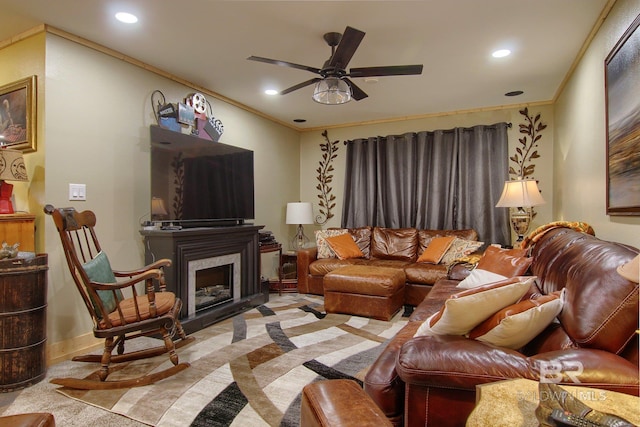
[250, 370]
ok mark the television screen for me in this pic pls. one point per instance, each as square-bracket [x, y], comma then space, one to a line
[197, 180]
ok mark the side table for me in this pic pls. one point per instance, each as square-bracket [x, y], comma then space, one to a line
[514, 402]
[276, 247]
[289, 267]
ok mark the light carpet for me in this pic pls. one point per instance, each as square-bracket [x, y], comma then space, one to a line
[250, 370]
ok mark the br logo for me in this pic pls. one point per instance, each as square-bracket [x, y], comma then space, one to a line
[554, 372]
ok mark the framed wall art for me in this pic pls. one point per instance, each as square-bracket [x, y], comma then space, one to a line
[18, 115]
[622, 84]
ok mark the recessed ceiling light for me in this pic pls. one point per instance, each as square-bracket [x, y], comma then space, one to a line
[127, 18]
[299, 120]
[271, 92]
[514, 93]
[501, 53]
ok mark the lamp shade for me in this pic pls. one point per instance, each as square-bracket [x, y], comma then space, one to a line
[299, 213]
[157, 206]
[520, 193]
[332, 91]
[12, 166]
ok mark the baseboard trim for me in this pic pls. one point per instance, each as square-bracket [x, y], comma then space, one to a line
[65, 350]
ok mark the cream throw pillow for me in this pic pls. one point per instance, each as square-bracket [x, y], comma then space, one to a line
[514, 326]
[479, 277]
[463, 311]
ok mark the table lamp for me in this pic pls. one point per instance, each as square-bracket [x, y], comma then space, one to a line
[12, 168]
[158, 209]
[299, 213]
[521, 194]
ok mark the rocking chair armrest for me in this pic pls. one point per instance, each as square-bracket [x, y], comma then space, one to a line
[164, 262]
[144, 277]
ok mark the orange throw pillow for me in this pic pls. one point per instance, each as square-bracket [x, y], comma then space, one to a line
[436, 249]
[344, 246]
[506, 262]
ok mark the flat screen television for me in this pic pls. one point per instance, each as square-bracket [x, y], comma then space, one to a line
[197, 182]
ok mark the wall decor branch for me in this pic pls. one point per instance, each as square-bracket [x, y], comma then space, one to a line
[325, 178]
[527, 151]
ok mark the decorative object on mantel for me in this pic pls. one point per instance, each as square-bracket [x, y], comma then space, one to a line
[299, 213]
[521, 195]
[526, 152]
[194, 114]
[12, 168]
[7, 251]
[327, 200]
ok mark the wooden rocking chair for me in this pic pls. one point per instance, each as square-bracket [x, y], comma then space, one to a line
[117, 318]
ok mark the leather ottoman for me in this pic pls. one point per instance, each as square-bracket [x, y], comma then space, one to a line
[339, 403]
[376, 292]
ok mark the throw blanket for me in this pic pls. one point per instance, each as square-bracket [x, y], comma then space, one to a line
[536, 234]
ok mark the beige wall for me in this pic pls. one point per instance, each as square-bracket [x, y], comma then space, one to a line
[310, 153]
[580, 136]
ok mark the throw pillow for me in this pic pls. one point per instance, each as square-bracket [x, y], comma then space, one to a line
[324, 250]
[479, 277]
[507, 262]
[436, 249]
[459, 249]
[514, 326]
[99, 270]
[344, 246]
[464, 311]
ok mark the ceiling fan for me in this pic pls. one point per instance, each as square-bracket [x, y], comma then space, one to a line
[334, 86]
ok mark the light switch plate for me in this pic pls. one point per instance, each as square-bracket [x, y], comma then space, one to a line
[77, 192]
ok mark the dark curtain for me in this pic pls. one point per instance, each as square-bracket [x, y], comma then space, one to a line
[445, 179]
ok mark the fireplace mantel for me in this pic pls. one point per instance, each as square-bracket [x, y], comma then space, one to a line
[194, 244]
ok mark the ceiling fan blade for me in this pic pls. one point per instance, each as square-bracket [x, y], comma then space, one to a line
[356, 92]
[392, 70]
[284, 64]
[346, 48]
[300, 85]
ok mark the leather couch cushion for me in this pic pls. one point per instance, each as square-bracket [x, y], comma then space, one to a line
[506, 262]
[601, 307]
[321, 267]
[362, 237]
[395, 243]
[425, 274]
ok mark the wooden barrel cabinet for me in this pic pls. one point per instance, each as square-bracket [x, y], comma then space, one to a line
[23, 328]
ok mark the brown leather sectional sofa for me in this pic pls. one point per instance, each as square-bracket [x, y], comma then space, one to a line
[383, 247]
[430, 380]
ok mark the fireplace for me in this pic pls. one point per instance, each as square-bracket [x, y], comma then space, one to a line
[213, 281]
[214, 270]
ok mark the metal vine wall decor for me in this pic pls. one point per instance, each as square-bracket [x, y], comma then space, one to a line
[325, 177]
[526, 150]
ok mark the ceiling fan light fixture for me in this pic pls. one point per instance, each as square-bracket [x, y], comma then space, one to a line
[332, 91]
